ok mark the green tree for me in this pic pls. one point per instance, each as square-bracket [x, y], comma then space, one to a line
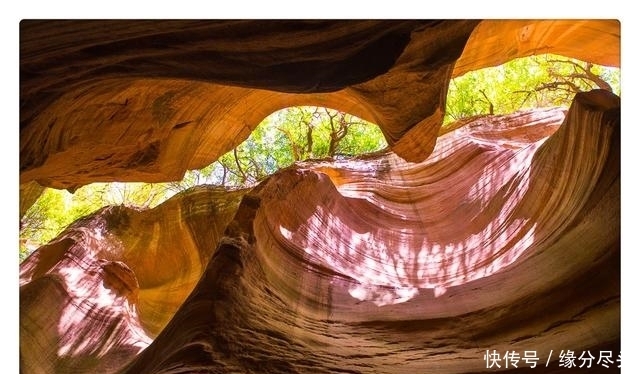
[49, 215]
[287, 136]
[525, 83]
[56, 209]
[290, 135]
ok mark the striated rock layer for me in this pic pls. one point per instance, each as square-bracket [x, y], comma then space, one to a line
[503, 234]
[146, 100]
[505, 238]
[94, 297]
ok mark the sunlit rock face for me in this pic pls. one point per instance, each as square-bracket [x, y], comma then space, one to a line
[363, 260]
[408, 234]
[504, 235]
[147, 100]
[96, 296]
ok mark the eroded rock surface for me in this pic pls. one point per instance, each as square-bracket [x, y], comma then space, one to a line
[94, 297]
[358, 265]
[147, 100]
[505, 237]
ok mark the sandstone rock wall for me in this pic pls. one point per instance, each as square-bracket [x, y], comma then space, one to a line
[502, 234]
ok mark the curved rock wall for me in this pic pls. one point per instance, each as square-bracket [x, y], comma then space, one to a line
[147, 100]
[494, 42]
[358, 265]
[95, 296]
[505, 237]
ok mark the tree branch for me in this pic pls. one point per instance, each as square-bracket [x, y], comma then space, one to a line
[588, 74]
[235, 156]
[488, 101]
[295, 151]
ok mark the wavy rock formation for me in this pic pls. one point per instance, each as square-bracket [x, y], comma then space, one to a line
[147, 100]
[505, 235]
[112, 281]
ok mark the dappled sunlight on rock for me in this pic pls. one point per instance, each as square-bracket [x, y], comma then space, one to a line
[405, 234]
[90, 320]
[113, 301]
[444, 270]
[375, 256]
[498, 233]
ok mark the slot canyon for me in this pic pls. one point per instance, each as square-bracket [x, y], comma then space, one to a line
[500, 233]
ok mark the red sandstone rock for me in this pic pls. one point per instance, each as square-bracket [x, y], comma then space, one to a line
[505, 237]
[145, 101]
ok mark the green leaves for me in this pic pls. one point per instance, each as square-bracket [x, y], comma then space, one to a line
[525, 83]
[296, 134]
[56, 209]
